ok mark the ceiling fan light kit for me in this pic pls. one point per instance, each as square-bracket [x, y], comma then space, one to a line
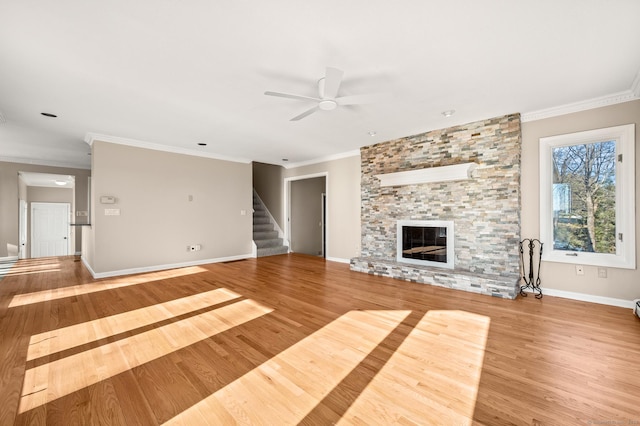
[327, 105]
[328, 99]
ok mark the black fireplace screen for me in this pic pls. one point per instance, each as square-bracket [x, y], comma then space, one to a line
[425, 243]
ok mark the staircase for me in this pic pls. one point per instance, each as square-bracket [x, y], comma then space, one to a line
[264, 233]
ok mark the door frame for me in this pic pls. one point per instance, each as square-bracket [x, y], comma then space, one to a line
[323, 222]
[23, 230]
[68, 219]
[287, 206]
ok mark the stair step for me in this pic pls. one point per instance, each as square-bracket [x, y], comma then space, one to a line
[261, 220]
[264, 235]
[272, 242]
[260, 227]
[272, 251]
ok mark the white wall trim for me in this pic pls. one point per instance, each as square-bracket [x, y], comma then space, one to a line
[602, 101]
[333, 157]
[582, 297]
[154, 268]
[90, 138]
[8, 258]
[339, 260]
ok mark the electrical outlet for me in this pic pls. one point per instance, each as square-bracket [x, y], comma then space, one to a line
[602, 272]
[579, 270]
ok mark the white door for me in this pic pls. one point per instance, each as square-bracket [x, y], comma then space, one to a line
[50, 229]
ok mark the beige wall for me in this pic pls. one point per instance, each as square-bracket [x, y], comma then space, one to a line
[267, 181]
[157, 220]
[343, 204]
[9, 197]
[620, 283]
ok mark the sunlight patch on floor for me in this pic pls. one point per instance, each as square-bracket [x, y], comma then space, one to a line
[76, 290]
[25, 267]
[436, 370]
[61, 339]
[56, 379]
[287, 387]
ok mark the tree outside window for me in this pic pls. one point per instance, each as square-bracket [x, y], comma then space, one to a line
[584, 183]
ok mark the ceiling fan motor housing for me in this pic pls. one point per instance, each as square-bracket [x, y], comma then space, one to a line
[327, 105]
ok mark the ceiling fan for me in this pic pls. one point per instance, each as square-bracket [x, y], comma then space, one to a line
[328, 98]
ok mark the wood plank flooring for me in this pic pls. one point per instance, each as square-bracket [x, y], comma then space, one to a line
[293, 339]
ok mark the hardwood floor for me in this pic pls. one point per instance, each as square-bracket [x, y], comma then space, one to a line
[293, 339]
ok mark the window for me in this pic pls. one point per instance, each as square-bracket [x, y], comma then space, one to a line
[587, 197]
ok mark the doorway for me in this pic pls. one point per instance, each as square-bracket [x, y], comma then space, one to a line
[306, 210]
[47, 203]
[50, 230]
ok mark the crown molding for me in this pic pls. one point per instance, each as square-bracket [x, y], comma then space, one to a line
[602, 101]
[90, 138]
[49, 163]
[333, 157]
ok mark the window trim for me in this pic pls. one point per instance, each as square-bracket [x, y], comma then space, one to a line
[625, 256]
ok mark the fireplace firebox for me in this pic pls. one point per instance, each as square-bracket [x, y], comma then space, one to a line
[426, 242]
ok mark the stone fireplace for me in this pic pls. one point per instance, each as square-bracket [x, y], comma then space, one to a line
[484, 206]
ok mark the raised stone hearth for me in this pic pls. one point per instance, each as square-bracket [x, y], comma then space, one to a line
[484, 208]
[458, 280]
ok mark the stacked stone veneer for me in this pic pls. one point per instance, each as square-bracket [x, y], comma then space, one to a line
[485, 209]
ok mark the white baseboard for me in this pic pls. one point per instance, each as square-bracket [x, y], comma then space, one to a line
[89, 268]
[155, 268]
[8, 258]
[622, 303]
[338, 259]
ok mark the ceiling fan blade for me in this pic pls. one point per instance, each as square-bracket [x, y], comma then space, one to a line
[360, 99]
[332, 80]
[290, 96]
[304, 114]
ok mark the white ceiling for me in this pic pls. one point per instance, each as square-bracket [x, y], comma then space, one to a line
[175, 74]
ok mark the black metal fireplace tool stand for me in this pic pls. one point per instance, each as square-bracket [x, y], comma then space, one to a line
[531, 275]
